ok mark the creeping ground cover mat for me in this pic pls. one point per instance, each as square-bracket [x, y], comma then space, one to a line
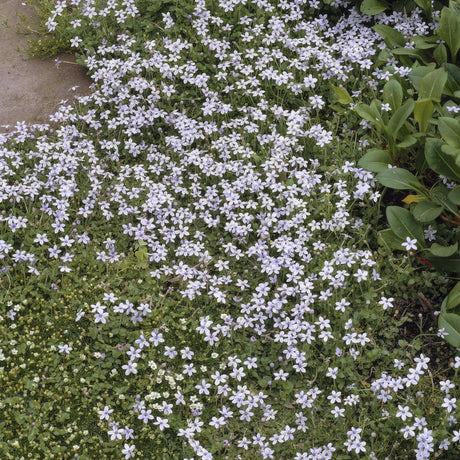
[189, 260]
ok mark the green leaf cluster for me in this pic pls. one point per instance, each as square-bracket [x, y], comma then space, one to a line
[449, 318]
[373, 7]
[418, 127]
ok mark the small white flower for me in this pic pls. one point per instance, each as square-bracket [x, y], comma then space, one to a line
[410, 244]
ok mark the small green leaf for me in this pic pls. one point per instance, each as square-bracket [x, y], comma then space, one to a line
[426, 6]
[423, 110]
[383, 57]
[369, 113]
[450, 322]
[454, 196]
[432, 85]
[440, 54]
[372, 7]
[439, 161]
[392, 37]
[439, 194]
[407, 141]
[411, 52]
[393, 94]
[452, 151]
[453, 80]
[443, 251]
[453, 299]
[426, 211]
[449, 31]
[450, 130]
[399, 179]
[342, 95]
[375, 160]
[141, 254]
[400, 116]
[19, 418]
[338, 108]
[404, 225]
[420, 161]
[417, 74]
[388, 239]
[93, 332]
[423, 43]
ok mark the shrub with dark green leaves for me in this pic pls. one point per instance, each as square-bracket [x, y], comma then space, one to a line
[417, 133]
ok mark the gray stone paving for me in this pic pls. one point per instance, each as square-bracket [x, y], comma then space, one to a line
[31, 88]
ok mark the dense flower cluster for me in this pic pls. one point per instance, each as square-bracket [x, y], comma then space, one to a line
[221, 195]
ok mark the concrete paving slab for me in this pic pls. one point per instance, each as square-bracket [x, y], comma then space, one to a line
[31, 88]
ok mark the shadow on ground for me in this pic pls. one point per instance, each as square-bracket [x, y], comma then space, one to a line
[31, 88]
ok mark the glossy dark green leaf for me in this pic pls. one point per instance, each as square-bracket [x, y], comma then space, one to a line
[412, 52]
[423, 43]
[420, 161]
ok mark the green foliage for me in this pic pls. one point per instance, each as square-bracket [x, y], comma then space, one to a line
[54, 412]
[432, 85]
[43, 43]
[404, 225]
[422, 138]
[376, 160]
[399, 179]
[393, 94]
[426, 211]
[449, 31]
[423, 110]
[440, 161]
[449, 319]
[373, 7]
[450, 322]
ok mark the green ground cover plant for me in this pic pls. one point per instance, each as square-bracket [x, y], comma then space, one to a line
[192, 257]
